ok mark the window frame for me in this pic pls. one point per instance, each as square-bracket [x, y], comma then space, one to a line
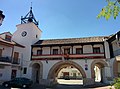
[55, 51]
[96, 50]
[39, 52]
[66, 50]
[79, 50]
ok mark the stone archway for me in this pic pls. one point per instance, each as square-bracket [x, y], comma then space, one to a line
[37, 71]
[100, 64]
[53, 72]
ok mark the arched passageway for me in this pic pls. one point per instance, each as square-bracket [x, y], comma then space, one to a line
[66, 70]
[98, 70]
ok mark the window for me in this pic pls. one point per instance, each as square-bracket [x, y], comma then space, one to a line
[39, 52]
[79, 51]
[8, 38]
[55, 51]
[25, 70]
[36, 36]
[67, 51]
[96, 50]
[16, 60]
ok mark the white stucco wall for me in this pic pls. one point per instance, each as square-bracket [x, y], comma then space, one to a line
[87, 49]
[46, 50]
[7, 51]
[6, 73]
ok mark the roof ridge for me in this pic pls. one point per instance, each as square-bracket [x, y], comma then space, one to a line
[73, 38]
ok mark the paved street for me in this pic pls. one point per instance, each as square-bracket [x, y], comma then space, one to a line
[33, 87]
[61, 86]
[67, 84]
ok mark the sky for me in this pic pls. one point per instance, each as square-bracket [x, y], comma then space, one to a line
[60, 18]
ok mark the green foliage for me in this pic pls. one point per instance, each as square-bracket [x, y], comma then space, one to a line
[112, 9]
[116, 83]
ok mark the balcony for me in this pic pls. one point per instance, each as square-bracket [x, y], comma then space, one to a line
[9, 60]
[71, 56]
[5, 59]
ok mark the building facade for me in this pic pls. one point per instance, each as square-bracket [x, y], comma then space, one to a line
[92, 59]
[10, 57]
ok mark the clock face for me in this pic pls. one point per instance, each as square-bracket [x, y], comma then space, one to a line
[24, 33]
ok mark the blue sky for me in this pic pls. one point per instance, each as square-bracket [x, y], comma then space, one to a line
[60, 18]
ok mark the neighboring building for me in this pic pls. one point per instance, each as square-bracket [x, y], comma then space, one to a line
[114, 44]
[69, 73]
[93, 59]
[10, 57]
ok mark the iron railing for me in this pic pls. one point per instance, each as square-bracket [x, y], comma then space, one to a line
[10, 60]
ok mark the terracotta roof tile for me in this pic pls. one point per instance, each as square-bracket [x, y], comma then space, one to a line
[11, 43]
[70, 40]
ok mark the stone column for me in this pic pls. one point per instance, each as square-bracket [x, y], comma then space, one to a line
[88, 81]
[107, 75]
[107, 50]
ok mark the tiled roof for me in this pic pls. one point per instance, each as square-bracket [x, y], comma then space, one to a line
[70, 40]
[6, 33]
[11, 43]
[7, 42]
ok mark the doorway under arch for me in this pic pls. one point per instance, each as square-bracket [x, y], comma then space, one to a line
[98, 70]
[60, 67]
[37, 71]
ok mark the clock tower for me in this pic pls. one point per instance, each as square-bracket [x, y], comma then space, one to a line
[27, 34]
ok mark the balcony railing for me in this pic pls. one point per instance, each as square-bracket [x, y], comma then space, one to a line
[5, 59]
[116, 52]
[9, 60]
[71, 56]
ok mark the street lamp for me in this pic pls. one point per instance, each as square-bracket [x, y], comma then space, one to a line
[1, 17]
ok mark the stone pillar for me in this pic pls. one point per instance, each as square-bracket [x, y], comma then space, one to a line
[88, 81]
[107, 51]
[107, 75]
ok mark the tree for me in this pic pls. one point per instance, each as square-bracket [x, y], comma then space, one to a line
[112, 9]
[116, 83]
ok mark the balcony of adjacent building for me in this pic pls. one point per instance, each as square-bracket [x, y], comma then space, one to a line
[8, 60]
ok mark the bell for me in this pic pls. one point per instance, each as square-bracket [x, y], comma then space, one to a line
[30, 20]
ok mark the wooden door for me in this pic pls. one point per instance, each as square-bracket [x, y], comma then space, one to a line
[0, 52]
[16, 55]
